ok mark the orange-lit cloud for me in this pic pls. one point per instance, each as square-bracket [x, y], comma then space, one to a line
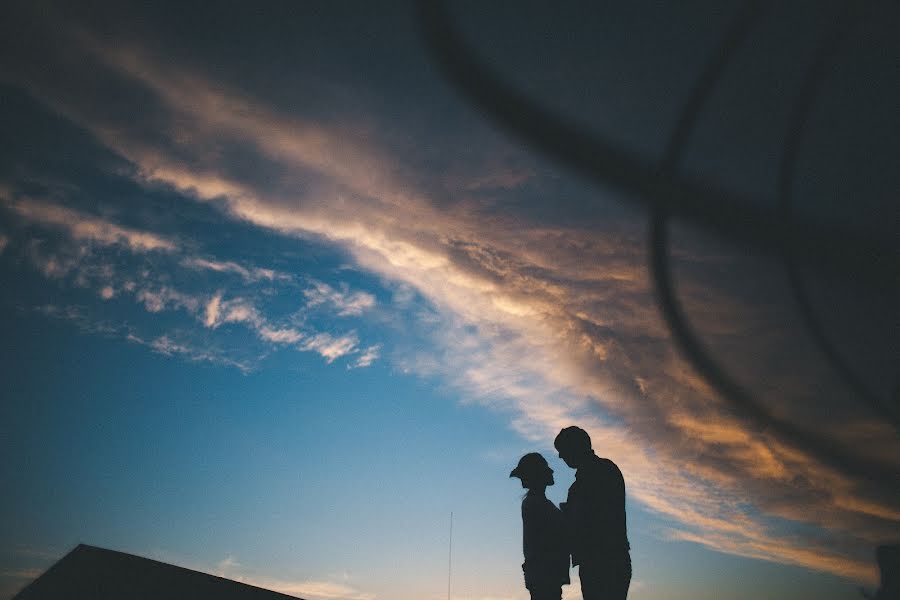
[314, 589]
[85, 227]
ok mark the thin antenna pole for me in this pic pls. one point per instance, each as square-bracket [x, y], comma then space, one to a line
[450, 556]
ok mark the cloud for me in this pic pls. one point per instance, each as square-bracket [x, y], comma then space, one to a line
[241, 311]
[83, 227]
[345, 302]
[212, 311]
[226, 565]
[248, 274]
[156, 299]
[310, 589]
[314, 590]
[368, 356]
[78, 317]
[762, 549]
[176, 343]
[552, 323]
[4, 242]
[22, 573]
[167, 346]
[280, 336]
[330, 347]
[235, 310]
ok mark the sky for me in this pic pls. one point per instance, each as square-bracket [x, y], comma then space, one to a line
[277, 298]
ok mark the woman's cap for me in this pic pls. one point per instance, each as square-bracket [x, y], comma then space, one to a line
[529, 464]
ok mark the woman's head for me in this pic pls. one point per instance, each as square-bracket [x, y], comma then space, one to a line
[534, 471]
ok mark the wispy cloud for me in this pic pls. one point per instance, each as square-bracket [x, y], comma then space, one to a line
[226, 566]
[312, 589]
[84, 227]
[248, 274]
[287, 335]
[212, 311]
[169, 347]
[368, 356]
[235, 310]
[344, 302]
[28, 574]
[331, 347]
[78, 317]
[156, 299]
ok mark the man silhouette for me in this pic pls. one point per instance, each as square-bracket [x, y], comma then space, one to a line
[595, 516]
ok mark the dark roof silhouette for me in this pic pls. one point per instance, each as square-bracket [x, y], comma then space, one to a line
[99, 574]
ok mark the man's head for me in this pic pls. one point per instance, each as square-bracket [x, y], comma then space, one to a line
[574, 446]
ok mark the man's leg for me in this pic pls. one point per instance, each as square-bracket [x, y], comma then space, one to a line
[608, 579]
[546, 593]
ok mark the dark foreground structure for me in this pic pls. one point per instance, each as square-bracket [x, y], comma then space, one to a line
[92, 573]
[888, 557]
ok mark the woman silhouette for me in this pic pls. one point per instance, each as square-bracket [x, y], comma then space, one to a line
[546, 563]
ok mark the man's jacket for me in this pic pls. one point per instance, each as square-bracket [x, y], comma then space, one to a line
[595, 512]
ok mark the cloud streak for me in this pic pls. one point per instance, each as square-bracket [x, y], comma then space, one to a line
[345, 302]
[84, 227]
[248, 274]
[314, 589]
[368, 356]
[167, 346]
[331, 347]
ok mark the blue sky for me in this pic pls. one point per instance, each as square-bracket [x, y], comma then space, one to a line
[276, 301]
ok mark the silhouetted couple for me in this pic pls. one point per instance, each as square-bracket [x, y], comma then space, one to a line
[590, 527]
